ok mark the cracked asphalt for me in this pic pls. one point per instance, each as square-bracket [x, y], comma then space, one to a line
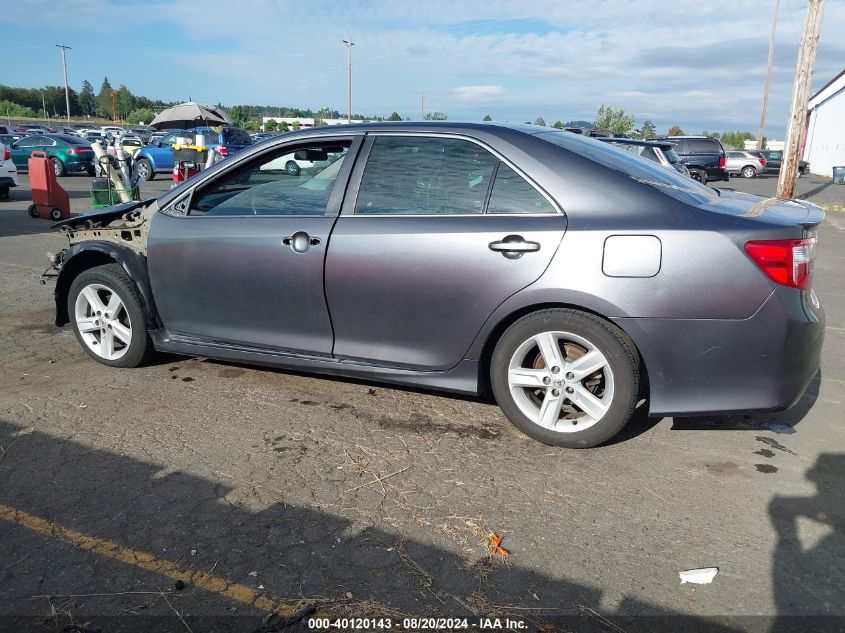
[198, 495]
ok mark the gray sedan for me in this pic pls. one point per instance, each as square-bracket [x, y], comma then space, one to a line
[573, 279]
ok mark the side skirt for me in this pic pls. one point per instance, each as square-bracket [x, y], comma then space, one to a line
[463, 378]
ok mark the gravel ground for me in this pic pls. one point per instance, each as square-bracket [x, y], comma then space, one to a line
[205, 494]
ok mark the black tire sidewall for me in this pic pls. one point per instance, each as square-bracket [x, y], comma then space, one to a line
[113, 277]
[292, 168]
[149, 169]
[57, 163]
[621, 355]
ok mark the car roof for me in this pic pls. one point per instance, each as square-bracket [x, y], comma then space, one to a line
[636, 141]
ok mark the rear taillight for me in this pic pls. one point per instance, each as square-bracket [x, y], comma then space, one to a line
[7, 155]
[223, 151]
[787, 262]
[722, 162]
[75, 150]
[762, 160]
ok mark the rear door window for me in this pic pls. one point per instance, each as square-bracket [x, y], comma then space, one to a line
[513, 194]
[407, 175]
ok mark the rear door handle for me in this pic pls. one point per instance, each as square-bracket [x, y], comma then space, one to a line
[300, 241]
[514, 246]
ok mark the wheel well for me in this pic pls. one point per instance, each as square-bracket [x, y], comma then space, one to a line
[70, 271]
[504, 324]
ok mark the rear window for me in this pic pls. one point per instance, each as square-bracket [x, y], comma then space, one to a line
[236, 136]
[668, 181]
[704, 146]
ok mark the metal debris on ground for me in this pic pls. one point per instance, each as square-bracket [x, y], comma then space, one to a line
[702, 576]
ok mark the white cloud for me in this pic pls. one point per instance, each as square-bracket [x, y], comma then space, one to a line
[477, 93]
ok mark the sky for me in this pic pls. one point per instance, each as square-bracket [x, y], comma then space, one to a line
[699, 65]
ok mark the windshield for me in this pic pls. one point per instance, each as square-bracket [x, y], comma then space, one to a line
[671, 156]
[645, 171]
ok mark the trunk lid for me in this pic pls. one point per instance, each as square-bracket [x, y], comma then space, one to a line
[774, 211]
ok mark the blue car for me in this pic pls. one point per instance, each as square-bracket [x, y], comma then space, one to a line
[157, 157]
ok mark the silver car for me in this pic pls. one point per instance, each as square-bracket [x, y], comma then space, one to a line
[745, 164]
[661, 152]
[572, 279]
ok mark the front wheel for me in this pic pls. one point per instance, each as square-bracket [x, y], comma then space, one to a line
[748, 172]
[292, 168]
[144, 169]
[108, 317]
[566, 378]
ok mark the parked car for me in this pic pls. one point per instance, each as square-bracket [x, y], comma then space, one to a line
[558, 270]
[157, 156]
[156, 136]
[774, 160]
[142, 133]
[66, 153]
[112, 130]
[260, 136]
[661, 152]
[30, 129]
[746, 164]
[588, 131]
[8, 139]
[703, 156]
[8, 171]
[131, 144]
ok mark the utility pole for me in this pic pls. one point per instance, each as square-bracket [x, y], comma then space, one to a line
[67, 91]
[349, 45]
[113, 108]
[422, 107]
[800, 97]
[44, 106]
[768, 75]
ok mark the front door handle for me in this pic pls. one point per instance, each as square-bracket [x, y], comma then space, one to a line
[300, 241]
[514, 246]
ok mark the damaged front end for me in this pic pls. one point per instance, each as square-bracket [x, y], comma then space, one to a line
[117, 234]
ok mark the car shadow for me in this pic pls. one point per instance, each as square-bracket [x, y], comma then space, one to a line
[94, 540]
[780, 421]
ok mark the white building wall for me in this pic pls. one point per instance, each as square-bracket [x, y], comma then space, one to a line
[825, 145]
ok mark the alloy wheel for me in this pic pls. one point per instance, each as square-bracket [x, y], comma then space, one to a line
[561, 381]
[102, 321]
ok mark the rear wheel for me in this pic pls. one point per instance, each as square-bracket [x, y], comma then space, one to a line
[566, 378]
[748, 172]
[4, 192]
[108, 317]
[699, 175]
[58, 166]
[292, 168]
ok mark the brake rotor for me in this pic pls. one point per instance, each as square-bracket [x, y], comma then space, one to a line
[592, 383]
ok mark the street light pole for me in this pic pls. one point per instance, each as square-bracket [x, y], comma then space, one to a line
[67, 91]
[349, 45]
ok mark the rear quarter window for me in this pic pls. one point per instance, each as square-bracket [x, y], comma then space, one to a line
[704, 146]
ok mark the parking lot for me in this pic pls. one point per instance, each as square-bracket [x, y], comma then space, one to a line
[214, 496]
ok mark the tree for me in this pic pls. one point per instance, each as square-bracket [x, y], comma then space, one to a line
[8, 109]
[104, 102]
[395, 116]
[435, 116]
[487, 117]
[141, 116]
[540, 121]
[86, 99]
[648, 130]
[125, 102]
[296, 126]
[675, 130]
[736, 140]
[284, 127]
[558, 125]
[271, 126]
[239, 114]
[613, 120]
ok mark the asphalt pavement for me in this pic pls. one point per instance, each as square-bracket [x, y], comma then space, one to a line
[196, 495]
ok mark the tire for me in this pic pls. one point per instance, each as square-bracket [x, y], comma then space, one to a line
[699, 175]
[55, 214]
[104, 282]
[4, 193]
[144, 170]
[32, 210]
[58, 166]
[748, 172]
[90, 171]
[612, 381]
[292, 168]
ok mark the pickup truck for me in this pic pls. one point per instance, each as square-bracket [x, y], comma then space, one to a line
[703, 156]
